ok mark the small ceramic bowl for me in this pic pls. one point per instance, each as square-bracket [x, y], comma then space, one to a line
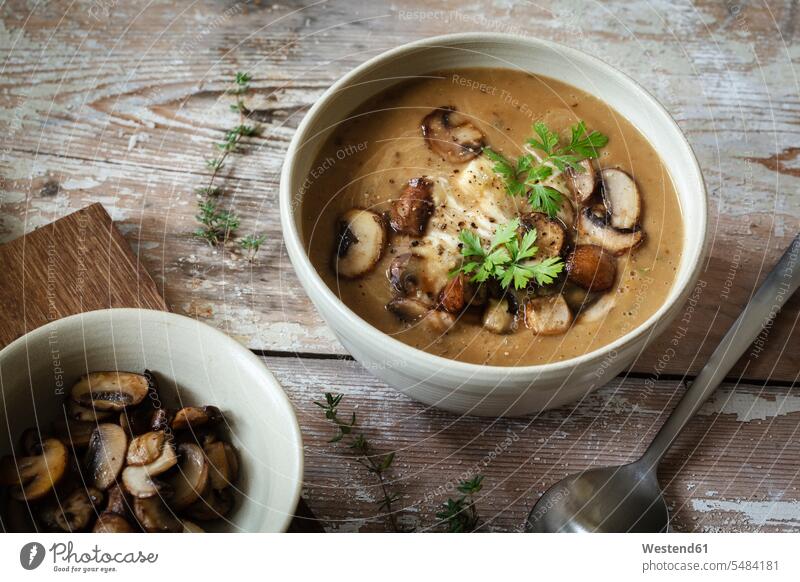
[194, 365]
[470, 388]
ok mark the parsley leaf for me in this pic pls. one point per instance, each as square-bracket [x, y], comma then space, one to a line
[508, 171]
[547, 141]
[586, 144]
[545, 198]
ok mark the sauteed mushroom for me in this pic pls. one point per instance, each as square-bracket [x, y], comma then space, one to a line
[193, 417]
[108, 522]
[191, 478]
[191, 527]
[154, 516]
[410, 212]
[138, 480]
[582, 184]
[594, 229]
[591, 268]
[212, 505]
[146, 448]
[74, 433]
[451, 135]
[110, 390]
[406, 274]
[35, 476]
[106, 455]
[621, 198]
[223, 464]
[30, 442]
[359, 244]
[549, 315]
[78, 509]
[86, 413]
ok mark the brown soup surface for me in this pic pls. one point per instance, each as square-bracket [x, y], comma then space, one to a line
[371, 157]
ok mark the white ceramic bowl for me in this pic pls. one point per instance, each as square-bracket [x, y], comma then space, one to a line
[469, 388]
[195, 364]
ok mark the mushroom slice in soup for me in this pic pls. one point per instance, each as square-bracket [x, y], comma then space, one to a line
[598, 310]
[410, 212]
[499, 317]
[549, 315]
[621, 198]
[582, 184]
[35, 476]
[106, 455]
[453, 297]
[596, 230]
[588, 266]
[359, 244]
[110, 390]
[551, 237]
[451, 135]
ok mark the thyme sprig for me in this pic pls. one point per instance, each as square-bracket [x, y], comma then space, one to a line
[460, 514]
[377, 464]
[218, 225]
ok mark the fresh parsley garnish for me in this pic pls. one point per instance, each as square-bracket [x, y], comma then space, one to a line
[525, 175]
[507, 259]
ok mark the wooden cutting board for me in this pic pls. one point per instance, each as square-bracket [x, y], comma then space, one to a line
[76, 264]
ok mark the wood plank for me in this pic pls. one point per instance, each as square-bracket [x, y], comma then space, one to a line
[132, 114]
[735, 467]
[78, 263]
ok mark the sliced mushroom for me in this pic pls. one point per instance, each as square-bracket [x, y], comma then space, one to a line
[110, 390]
[86, 413]
[406, 274]
[408, 310]
[438, 321]
[112, 523]
[191, 527]
[193, 417]
[582, 184]
[453, 298]
[223, 465]
[588, 266]
[76, 511]
[578, 298]
[75, 433]
[191, 479]
[154, 516]
[410, 212]
[593, 228]
[35, 476]
[118, 501]
[146, 448]
[498, 316]
[212, 505]
[359, 244]
[621, 197]
[600, 309]
[566, 214]
[138, 480]
[451, 135]
[106, 454]
[548, 315]
[551, 237]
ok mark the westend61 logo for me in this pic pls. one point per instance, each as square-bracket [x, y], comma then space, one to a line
[66, 559]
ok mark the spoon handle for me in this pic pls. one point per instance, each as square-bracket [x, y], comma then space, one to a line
[780, 283]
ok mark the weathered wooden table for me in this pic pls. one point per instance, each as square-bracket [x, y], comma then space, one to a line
[120, 102]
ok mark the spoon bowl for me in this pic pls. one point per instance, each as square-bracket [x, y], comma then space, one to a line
[625, 498]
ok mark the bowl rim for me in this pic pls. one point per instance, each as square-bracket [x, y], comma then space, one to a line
[89, 317]
[311, 280]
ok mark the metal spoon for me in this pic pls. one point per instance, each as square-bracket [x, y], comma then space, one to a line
[628, 498]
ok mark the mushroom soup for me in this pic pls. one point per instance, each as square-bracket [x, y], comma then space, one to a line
[493, 217]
